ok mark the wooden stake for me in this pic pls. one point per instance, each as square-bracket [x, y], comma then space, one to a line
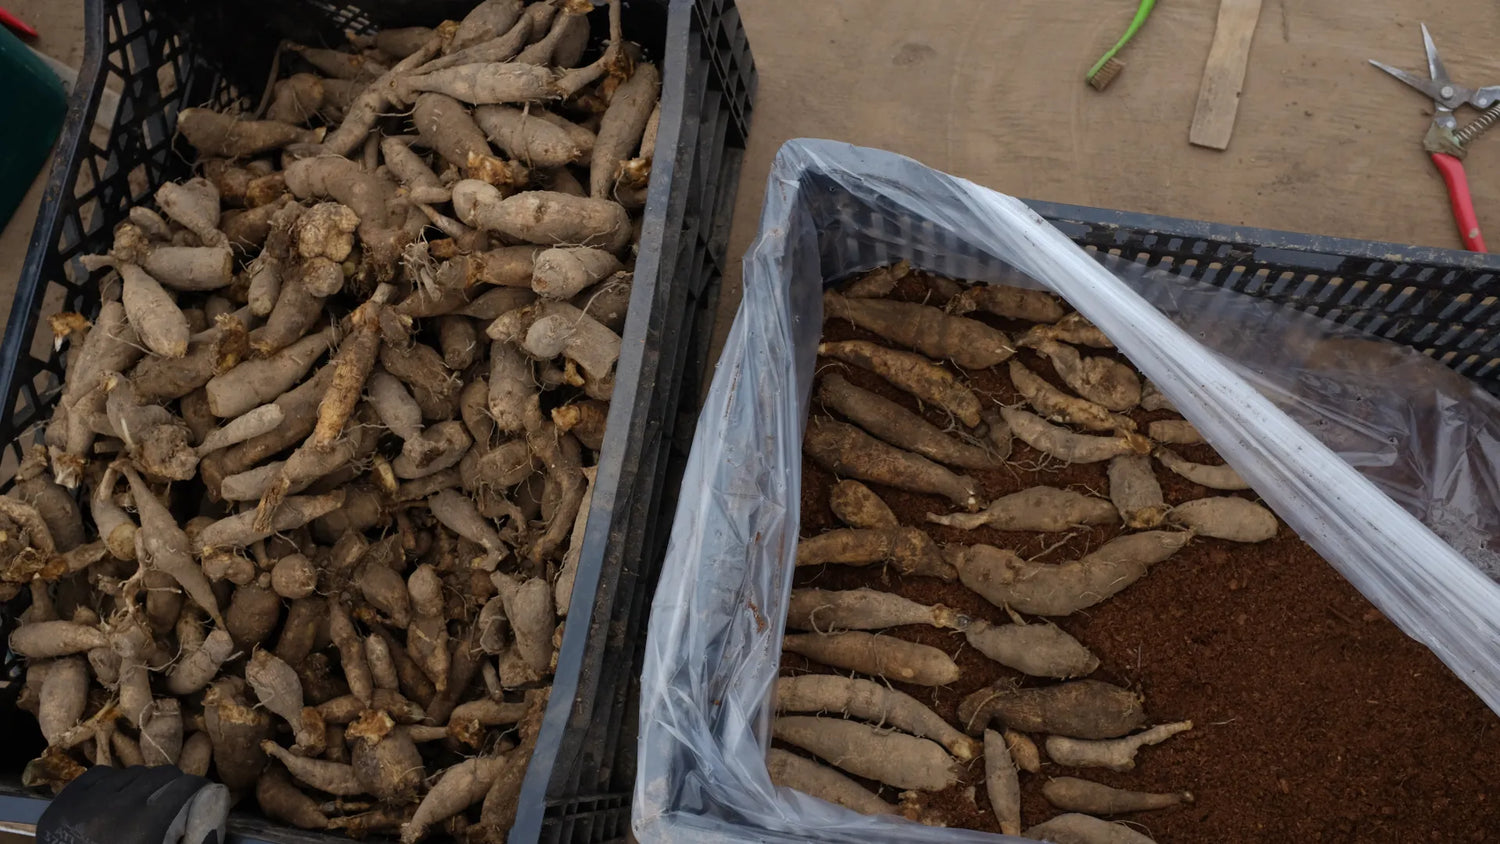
[1224, 74]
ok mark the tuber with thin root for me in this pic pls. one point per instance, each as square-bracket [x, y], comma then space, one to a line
[1067, 446]
[526, 137]
[1214, 477]
[908, 550]
[485, 21]
[162, 544]
[483, 83]
[528, 608]
[1072, 794]
[225, 135]
[1024, 752]
[446, 126]
[898, 426]
[561, 330]
[384, 758]
[1087, 709]
[857, 506]
[1117, 754]
[199, 667]
[421, 369]
[1002, 784]
[1225, 517]
[880, 656]
[545, 217]
[1101, 380]
[332, 777]
[1057, 406]
[1073, 328]
[64, 696]
[1039, 508]
[1009, 302]
[458, 513]
[621, 127]
[1135, 493]
[870, 701]
[913, 373]
[564, 272]
[969, 343]
[460, 787]
[877, 282]
[281, 800]
[809, 777]
[898, 760]
[161, 324]
[239, 530]
[1006, 580]
[237, 731]
[825, 610]
[1174, 432]
[1040, 649]
[161, 734]
[568, 574]
[1076, 828]
[845, 450]
[256, 382]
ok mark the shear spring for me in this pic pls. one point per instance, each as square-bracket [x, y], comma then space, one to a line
[1478, 125]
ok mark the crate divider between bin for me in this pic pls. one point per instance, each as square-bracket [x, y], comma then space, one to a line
[579, 788]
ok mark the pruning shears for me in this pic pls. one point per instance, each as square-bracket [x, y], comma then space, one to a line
[1445, 140]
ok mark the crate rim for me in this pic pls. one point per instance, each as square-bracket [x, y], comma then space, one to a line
[1254, 238]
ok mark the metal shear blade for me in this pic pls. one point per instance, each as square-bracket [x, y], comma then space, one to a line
[1435, 67]
[1454, 98]
[1446, 95]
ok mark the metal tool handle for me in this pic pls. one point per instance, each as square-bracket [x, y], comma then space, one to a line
[1458, 196]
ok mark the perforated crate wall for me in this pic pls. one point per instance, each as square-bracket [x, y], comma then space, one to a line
[1442, 302]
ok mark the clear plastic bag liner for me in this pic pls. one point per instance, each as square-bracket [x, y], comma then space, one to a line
[1428, 437]
[1354, 441]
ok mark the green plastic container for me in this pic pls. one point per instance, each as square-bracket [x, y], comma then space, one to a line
[32, 105]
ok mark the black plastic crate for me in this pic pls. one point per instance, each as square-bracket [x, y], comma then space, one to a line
[172, 54]
[579, 785]
[1444, 303]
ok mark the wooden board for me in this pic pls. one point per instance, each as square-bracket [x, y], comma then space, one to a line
[1224, 74]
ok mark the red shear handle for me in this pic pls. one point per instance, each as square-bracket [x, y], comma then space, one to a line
[1463, 204]
[16, 25]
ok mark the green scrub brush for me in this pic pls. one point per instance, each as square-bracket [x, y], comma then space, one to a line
[1108, 67]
